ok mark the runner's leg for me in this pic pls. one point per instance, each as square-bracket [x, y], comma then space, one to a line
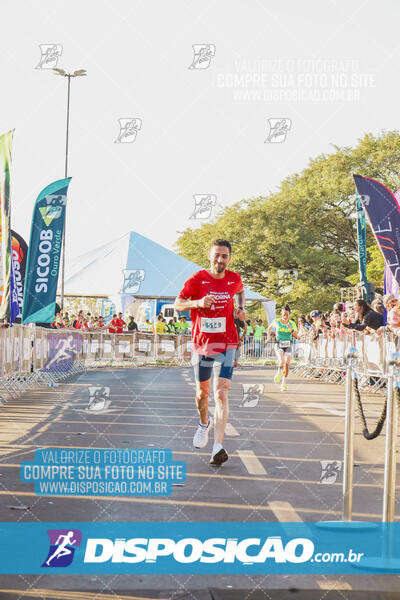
[202, 371]
[280, 354]
[285, 370]
[287, 364]
[221, 389]
[202, 395]
[223, 371]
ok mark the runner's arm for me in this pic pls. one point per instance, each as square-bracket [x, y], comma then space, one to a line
[269, 329]
[239, 312]
[182, 304]
[240, 300]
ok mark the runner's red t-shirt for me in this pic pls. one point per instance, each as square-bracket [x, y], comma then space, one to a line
[119, 325]
[213, 329]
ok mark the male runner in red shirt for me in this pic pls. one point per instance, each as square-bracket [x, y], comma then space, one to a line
[209, 295]
[116, 324]
[119, 324]
[111, 325]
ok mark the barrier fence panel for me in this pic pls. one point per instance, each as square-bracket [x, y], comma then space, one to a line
[2, 351]
[167, 346]
[85, 352]
[144, 346]
[185, 346]
[107, 346]
[92, 349]
[124, 344]
[32, 356]
[5, 393]
[325, 357]
[38, 356]
[26, 349]
[256, 349]
[8, 352]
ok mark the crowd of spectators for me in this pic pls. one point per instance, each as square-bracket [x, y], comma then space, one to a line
[344, 317]
[80, 320]
[357, 315]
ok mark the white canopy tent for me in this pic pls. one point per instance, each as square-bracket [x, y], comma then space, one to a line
[134, 267]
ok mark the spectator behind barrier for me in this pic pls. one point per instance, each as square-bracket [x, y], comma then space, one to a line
[160, 325]
[377, 306]
[132, 325]
[303, 328]
[393, 311]
[367, 318]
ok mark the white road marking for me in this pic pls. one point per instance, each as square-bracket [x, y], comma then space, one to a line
[231, 430]
[333, 411]
[285, 513]
[333, 584]
[251, 462]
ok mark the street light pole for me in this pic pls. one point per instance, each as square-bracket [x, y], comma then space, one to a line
[79, 73]
[67, 136]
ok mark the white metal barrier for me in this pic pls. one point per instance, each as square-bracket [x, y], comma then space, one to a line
[324, 357]
[31, 356]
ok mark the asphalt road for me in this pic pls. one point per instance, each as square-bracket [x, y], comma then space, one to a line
[274, 473]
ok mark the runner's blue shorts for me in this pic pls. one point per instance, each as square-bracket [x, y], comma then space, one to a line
[222, 364]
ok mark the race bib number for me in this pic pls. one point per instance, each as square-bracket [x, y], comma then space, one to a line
[284, 344]
[213, 325]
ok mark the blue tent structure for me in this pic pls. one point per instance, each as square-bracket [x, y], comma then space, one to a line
[129, 268]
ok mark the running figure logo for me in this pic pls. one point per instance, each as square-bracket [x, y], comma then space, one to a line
[203, 205]
[128, 129]
[330, 470]
[50, 53]
[251, 394]
[132, 280]
[278, 129]
[62, 547]
[64, 351]
[98, 398]
[203, 54]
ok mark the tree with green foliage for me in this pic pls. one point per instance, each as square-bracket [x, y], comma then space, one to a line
[308, 225]
[375, 269]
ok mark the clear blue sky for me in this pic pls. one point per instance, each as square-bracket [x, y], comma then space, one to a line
[203, 130]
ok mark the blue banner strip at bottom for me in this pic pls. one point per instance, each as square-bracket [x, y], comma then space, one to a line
[191, 548]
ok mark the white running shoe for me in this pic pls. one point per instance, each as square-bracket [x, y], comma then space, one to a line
[218, 455]
[200, 438]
